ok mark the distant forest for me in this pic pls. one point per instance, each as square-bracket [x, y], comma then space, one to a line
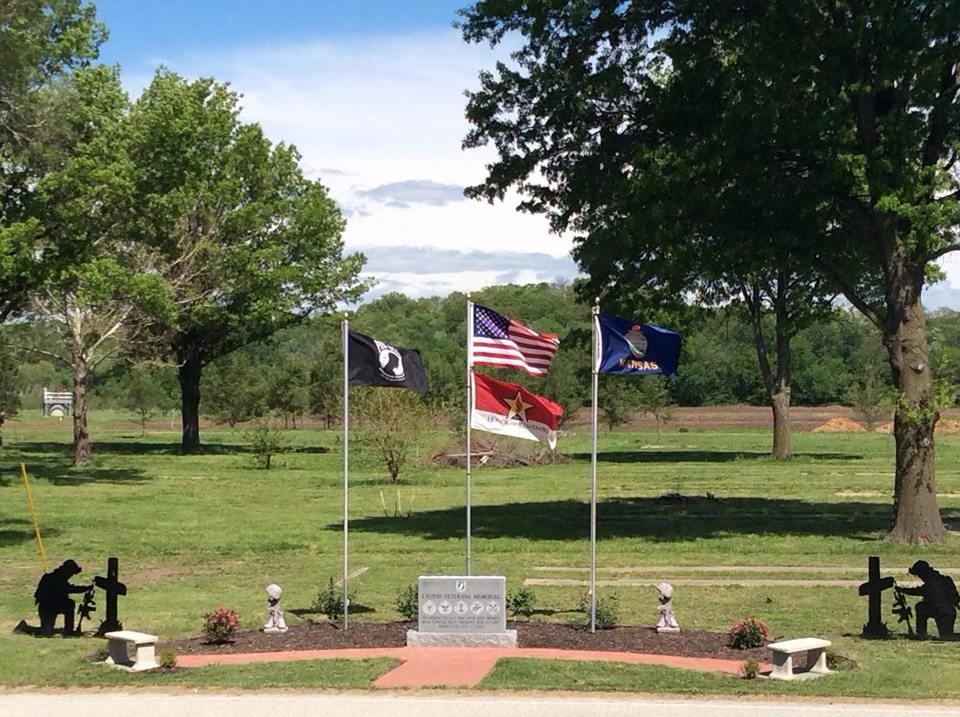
[298, 372]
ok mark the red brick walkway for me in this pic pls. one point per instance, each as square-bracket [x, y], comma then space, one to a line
[456, 666]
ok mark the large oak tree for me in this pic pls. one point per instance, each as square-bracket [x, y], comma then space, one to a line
[836, 121]
[107, 294]
[247, 243]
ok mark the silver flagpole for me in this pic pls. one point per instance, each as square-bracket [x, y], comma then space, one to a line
[469, 419]
[593, 472]
[346, 463]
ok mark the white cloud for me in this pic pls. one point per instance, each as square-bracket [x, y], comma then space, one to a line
[947, 292]
[380, 120]
[414, 191]
[421, 284]
[367, 112]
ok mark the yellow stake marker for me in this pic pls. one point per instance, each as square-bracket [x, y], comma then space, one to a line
[33, 516]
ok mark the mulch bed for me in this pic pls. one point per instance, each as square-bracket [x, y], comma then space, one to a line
[627, 638]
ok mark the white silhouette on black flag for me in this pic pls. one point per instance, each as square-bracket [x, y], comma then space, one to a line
[376, 363]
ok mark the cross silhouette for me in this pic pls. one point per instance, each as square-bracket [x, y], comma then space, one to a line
[873, 588]
[112, 587]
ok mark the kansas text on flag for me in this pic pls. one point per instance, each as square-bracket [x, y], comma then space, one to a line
[511, 410]
[633, 348]
[502, 342]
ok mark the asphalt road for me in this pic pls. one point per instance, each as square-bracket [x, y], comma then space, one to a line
[302, 704]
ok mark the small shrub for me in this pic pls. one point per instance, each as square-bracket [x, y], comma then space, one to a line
[521, 602]
[264, 441]
[747, 633]
[750, 668]
[168, 658]
[220, 625]
[608, 610]
[329, 601]
[408, 602]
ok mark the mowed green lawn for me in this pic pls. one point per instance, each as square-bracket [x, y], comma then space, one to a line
[196, 532]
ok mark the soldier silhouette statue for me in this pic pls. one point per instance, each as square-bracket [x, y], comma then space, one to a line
[53, 597]
[940, 600]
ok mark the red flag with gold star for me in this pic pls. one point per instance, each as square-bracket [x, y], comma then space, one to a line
[511, 410]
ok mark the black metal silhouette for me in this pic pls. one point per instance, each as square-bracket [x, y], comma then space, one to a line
[85, 609]
[874, 588]
[53, 597]
[900, 608]
[113, 588]
[940, 600]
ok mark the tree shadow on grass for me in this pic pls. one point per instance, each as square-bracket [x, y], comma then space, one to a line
[14, 531]
[658, 456]
[650, 518]
[145, 448]
[63, 473]
[309, 614]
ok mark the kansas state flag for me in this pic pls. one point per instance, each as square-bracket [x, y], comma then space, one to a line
[633, 348]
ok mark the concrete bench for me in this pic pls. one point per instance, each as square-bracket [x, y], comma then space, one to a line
[783, 653]
[144, 646]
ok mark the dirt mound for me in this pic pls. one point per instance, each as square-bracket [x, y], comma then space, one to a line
[839, 425]
[943, 427]
[951, 427]
[495, 453]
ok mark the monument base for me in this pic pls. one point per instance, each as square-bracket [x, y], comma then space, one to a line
[668, 630]
[508, 638]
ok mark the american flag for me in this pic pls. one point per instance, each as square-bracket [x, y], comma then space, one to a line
[499, 341]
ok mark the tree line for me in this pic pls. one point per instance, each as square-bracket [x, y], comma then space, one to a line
[296, 374]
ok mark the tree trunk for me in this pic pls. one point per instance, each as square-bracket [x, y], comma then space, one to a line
[776, 381]
[81, 436]
[780, 386]
[780, 402]
[188, 374]
[916, 513]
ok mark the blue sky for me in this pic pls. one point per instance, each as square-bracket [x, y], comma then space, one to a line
[371, 93]
[142, 29]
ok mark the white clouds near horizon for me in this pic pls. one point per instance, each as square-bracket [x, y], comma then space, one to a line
[379, 119]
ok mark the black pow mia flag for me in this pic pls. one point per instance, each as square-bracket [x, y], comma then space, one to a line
[375, 363]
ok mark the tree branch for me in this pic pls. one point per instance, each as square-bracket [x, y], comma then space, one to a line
[42, 352]
[850, 293]
[934, 255]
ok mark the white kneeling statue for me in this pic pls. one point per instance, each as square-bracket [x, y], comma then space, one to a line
[275, 621]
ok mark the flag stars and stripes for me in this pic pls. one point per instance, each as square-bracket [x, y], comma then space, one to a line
[502, 342]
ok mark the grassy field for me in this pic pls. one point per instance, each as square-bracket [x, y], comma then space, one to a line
[195, 532]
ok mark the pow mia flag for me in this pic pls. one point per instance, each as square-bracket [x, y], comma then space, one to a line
[375, 363]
